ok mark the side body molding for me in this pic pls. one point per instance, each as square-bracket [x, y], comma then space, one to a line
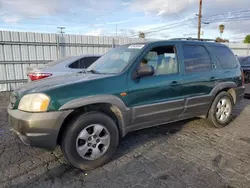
[123, 113]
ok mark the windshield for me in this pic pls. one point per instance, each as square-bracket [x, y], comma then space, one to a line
[116, 59]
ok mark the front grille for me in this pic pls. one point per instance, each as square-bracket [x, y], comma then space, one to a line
[13, 99]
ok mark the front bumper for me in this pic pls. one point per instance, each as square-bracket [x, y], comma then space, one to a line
[37, 129]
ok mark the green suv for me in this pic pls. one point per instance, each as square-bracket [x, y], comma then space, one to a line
[131, 87]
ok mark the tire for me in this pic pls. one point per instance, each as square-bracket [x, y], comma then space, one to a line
[214, 111]
[87, 122]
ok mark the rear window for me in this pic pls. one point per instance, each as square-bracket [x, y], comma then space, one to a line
[55, 62]
[224, 56]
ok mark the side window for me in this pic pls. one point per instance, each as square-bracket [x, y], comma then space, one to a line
[87, 61]
[163, 59]
[75, 65]
[226, 59]
[83, 63]
[196, 58]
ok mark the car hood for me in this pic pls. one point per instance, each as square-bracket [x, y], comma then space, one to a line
[58, 81]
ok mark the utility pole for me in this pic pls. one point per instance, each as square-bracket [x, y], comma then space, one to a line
[116, 30]
[115, 38]
[59, 54]
[199, 19]
[61, 30]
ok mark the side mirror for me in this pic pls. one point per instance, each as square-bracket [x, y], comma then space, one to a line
[145, 70]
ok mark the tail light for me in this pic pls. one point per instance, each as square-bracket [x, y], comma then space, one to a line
[38, 76]
[242, 77]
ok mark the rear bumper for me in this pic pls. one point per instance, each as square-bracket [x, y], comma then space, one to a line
[37, 129]
[239, 91]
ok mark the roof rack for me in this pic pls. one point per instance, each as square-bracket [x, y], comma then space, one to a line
[211, 40]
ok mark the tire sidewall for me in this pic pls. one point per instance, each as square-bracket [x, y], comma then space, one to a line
[68, 144]
[212, 113]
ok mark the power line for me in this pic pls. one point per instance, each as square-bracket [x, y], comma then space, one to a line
[207, 17]
[176, 24]
[164, 27]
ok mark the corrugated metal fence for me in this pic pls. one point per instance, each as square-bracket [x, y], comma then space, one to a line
[18, 50]
[240, 49]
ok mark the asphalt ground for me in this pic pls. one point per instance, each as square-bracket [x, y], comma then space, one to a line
[184, 154]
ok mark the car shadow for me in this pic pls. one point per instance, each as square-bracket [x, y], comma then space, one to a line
[147, 137]
[239, 108]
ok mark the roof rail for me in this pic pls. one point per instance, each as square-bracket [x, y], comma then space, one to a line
[211, 40]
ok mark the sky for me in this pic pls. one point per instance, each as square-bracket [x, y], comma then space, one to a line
[158, 19]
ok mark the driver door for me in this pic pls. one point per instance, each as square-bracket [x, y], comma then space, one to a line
[156, 99]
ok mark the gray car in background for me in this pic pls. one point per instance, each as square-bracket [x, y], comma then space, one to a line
[62, 66]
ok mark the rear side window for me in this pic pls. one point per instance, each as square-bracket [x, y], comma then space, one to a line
[75, 65]
[224, 56]
[89, 60]
[196, 58]
[83, 63]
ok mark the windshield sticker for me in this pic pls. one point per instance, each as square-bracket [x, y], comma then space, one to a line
[136, 46]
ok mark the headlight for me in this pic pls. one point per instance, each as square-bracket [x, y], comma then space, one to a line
[36, 102]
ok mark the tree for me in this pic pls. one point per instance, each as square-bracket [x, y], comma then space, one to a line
[218, 39]
[141, 35]
[247, 39]
[221, 28]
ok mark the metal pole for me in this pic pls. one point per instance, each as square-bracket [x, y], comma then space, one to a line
[57, 46]
[248, 48]
[61, 30]
[116, 30]
[199, 19]
[113, 42]
[58, 40]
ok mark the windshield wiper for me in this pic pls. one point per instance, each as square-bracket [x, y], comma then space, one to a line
[93, 71]
[83, 71]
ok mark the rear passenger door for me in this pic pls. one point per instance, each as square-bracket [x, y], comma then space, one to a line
[227, 63]
[198, 78]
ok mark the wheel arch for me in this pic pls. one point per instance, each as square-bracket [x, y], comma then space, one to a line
[107, 104]
[225, 86]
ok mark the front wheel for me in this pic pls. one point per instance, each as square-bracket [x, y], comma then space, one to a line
[220, 113]
[90, 141]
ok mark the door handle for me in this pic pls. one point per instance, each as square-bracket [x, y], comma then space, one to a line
[212, 78]
[175, 83]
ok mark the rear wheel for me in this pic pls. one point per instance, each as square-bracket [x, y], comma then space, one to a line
[90, 141]
[220, 113]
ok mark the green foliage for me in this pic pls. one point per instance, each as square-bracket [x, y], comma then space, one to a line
[218, 39]
[247, 39]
